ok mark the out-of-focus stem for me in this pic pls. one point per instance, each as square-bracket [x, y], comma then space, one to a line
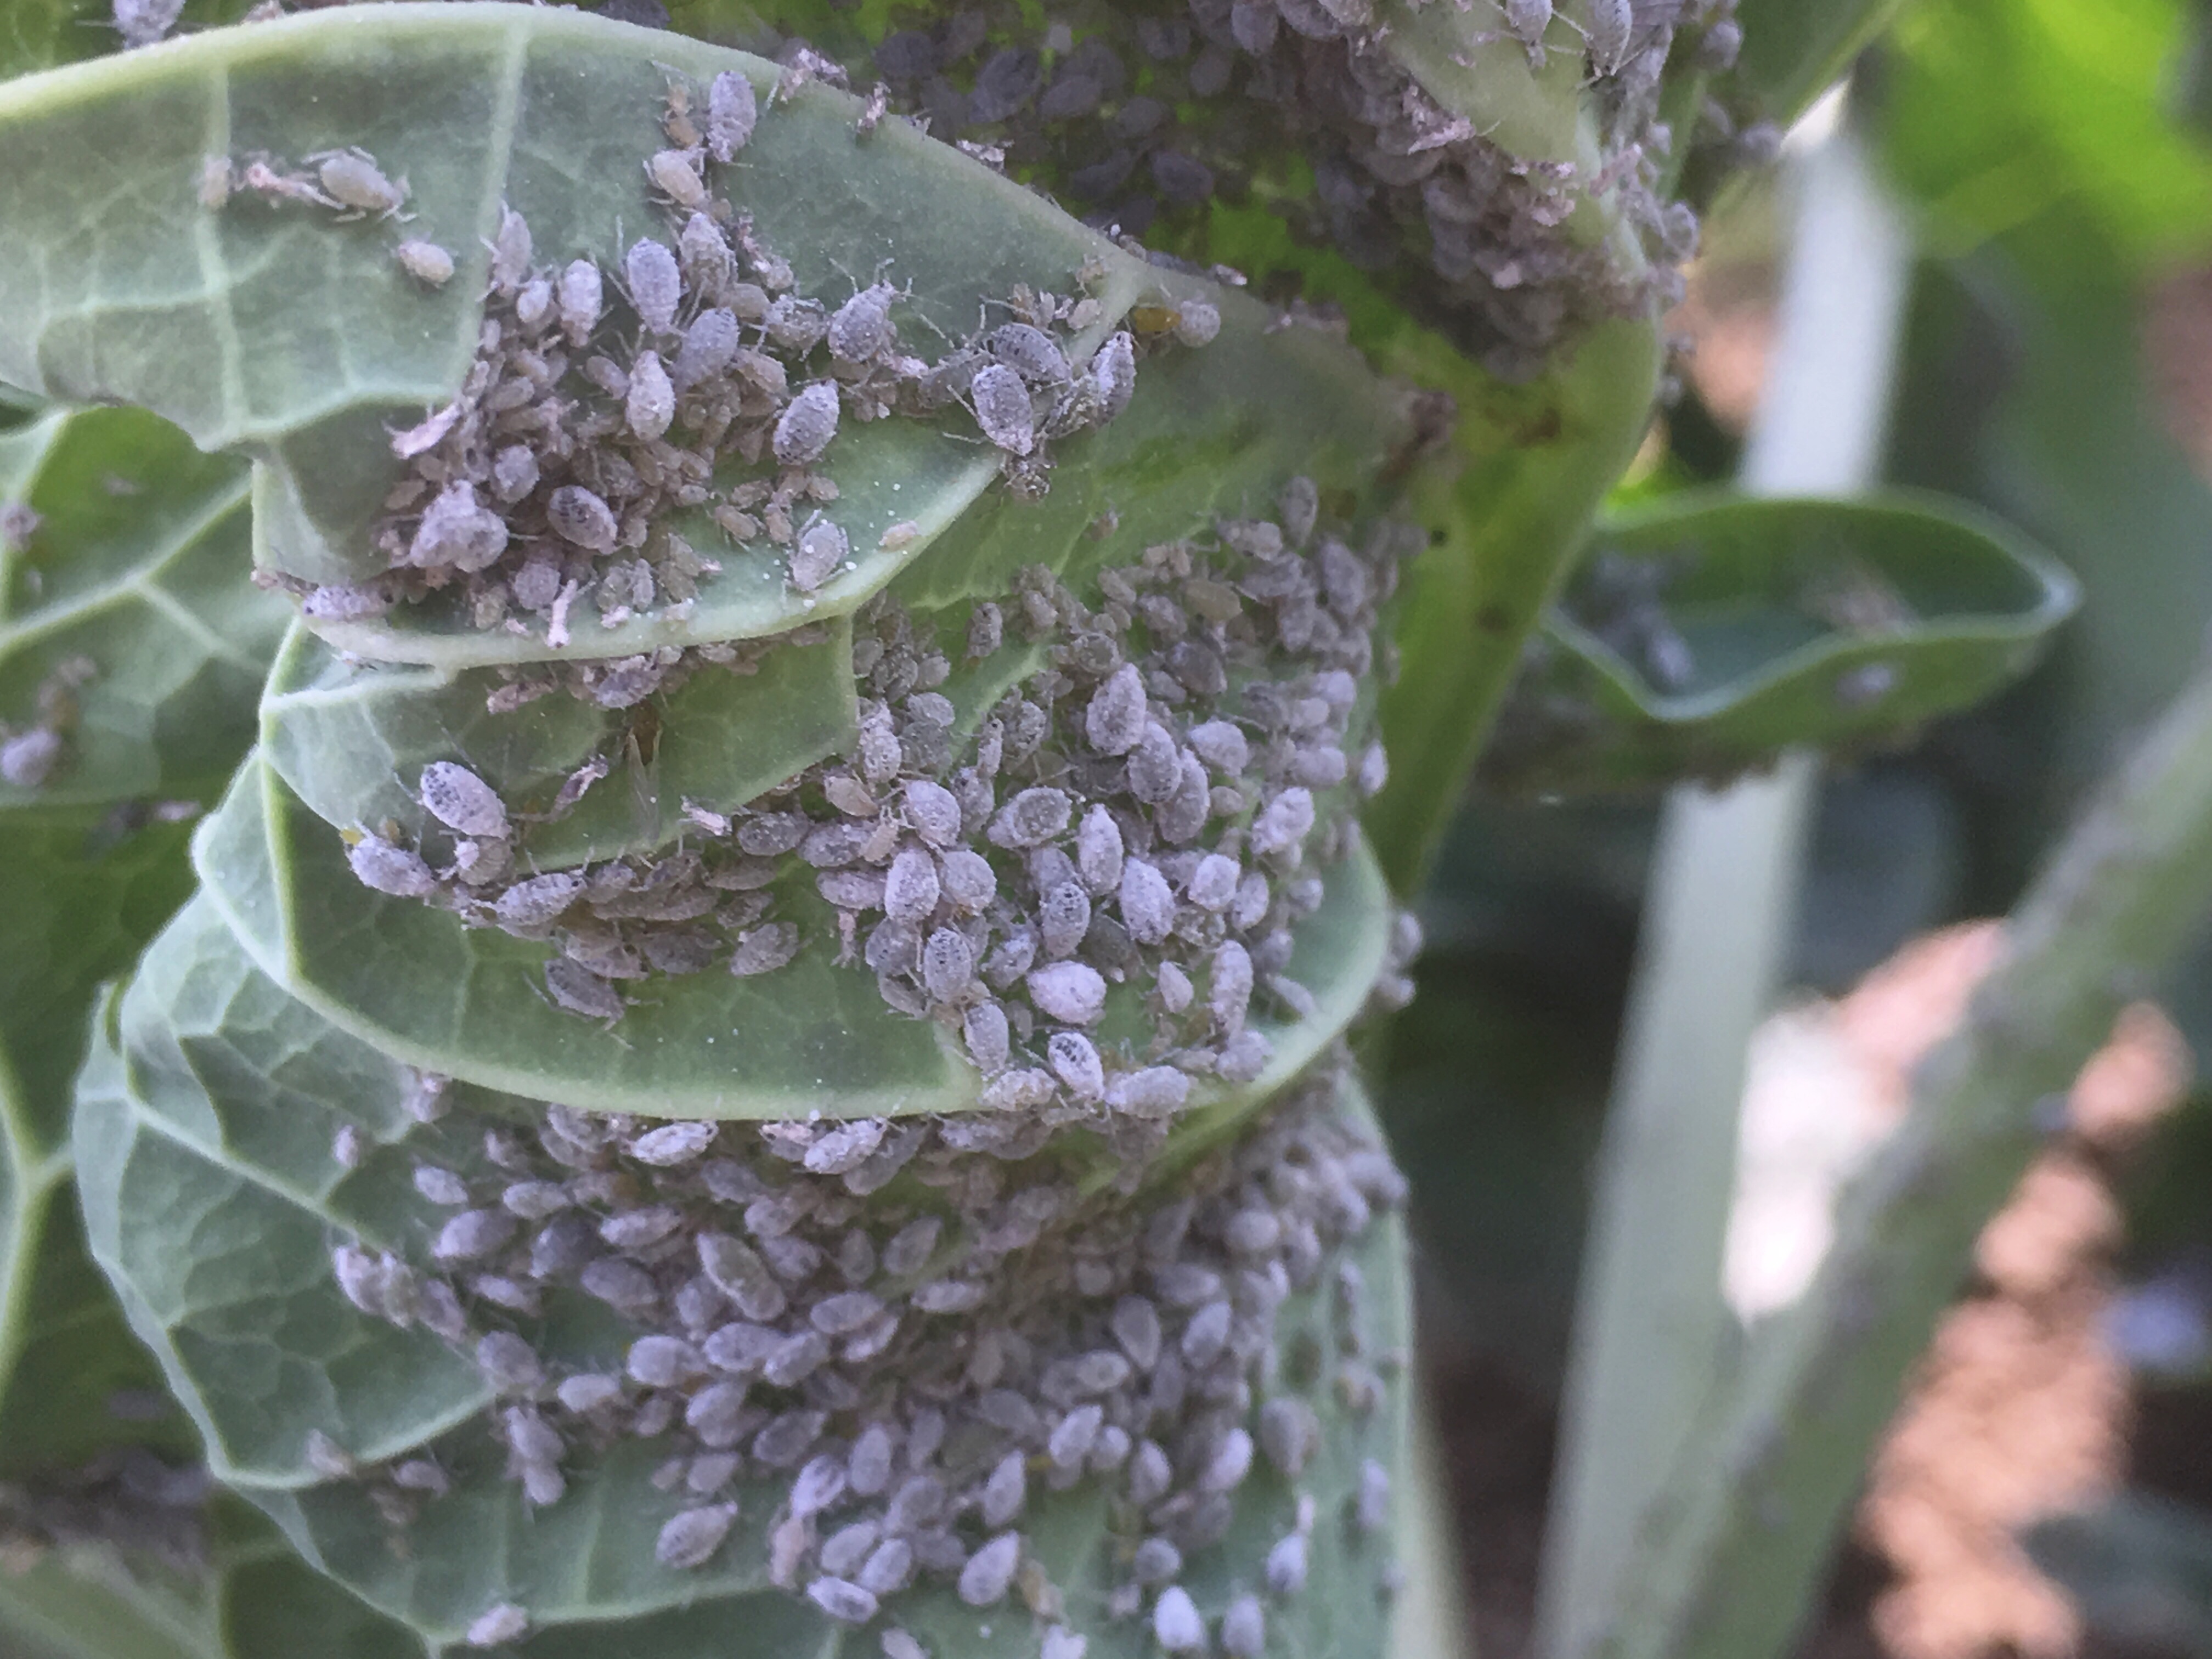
[1652, 1336]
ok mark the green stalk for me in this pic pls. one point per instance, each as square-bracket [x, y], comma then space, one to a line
[1727, 1565]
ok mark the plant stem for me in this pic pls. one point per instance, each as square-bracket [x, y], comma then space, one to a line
[1652, 1335]
[1729, 1560]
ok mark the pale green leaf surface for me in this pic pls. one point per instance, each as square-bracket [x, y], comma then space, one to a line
[1805, 622]
[137, 566]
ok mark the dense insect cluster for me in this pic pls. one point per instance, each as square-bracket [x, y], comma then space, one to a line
[908, 1338]
[31, 753]
[1155, 111]
[127, 1496]
[555, 479]
[1150, 808]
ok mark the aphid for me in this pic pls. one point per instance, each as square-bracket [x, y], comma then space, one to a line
[1244, 1629]
[819, 553]
[1371, 1505]
[1063, 919]
[691, 1539]
[1177, 1625]
[1006, 1490]
[1136, 1326]
[578, 297]
[842, 1600]
[578, 515]
[672, 1144]
[1284, 822]
[354, 179]
[968, 881]
[442, 1187]
[461, 800]
[889, 1569]
[1207, 1334]
[650, 404]
[1608, 26]
[510, 250]
[1197, 323]
[897, 1645]
[934, 812]
[655, 285]
[495, 1626]
[1030, 819]
[1070, 992]
[1147, 901]
[674, 174]
[577, 990]
[1114, 374]
[1157, 1561]
[28, 759]
[1115, 717]
[1152, 1092]
[1287, 1564]
[732, 112]
[1074, 1060]
[509, 1364]
[348, 1148]
[215, 182]
[989, 1573]
[703, 252]
[948, 965]
[860, 329]
[266, 182]
[807, 424]
[1003, 409]
[472, 1235]
[457, 532]
[710, 344]
[1231, 1461]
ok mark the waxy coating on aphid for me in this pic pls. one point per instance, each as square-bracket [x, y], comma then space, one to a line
[426, 262]
[354, 179]
[732, 112]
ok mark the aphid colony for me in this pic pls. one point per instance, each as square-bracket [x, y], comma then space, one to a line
[909, 1338]
[1156, 111]
[1153, 808]
[31, 753]
[549, 482]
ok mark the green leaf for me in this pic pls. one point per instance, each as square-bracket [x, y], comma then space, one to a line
[132, 585]
[1794, 49]
[252, 1599]
[1706, 634]
[214, 1125]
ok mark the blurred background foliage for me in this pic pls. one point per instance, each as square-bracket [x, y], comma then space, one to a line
[2055, 160]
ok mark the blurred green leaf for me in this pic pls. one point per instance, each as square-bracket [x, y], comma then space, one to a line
[1706, 634]
[1995, 112]
[1793, 50]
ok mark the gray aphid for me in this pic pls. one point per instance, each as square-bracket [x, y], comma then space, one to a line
[1231, 1461]
[807, 424]
[1147, 903]
[1212, 884]
[1154, 764]
[426, 262]
[442, 1187]
[1157, 1561]
[1007, 1492]
[1070, 992]
[1114, 374]
[910, 1249]
[989, 1573]
[382, 866]
[845, 1550]
[1063, 919]
[580, 296]
[819, 1485]
[455, 531]
[509, 1364]
[357, 182]
[1608, 26]
[510, 250]
[1207, 1333]
[472, 1235]
[578, 515]
[534, 1201]
[710, 344]
[763, 950]
[1289, 1434]
[578, 990]
[732, 112]
[1003, 409]
[1287, 1564]
[496, 1626]
[650, 406]
[1244, 1629]
[1029, 352]
[842, 1600]
[1061, 1643]
[967, 880]
[1197, 322]
[897, 1645]
[934, 812]
[1371, 1505]
[672, 1144]
[948, 965]
[1074, 1435]
[675, 174]
[821, 551]
[690, 1539]
[1221, 746]
[536, 901]
[664, 1362]
[860, 329]
[143, 22]
[845, 1313]
[514, 475]
[1074, 1060]
[1115, 718]
[1177, 1625]
[888, 1569]
[587, 1392]
[1150, 1475]
[655, 284]
[1030, 819]
[910, 886]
